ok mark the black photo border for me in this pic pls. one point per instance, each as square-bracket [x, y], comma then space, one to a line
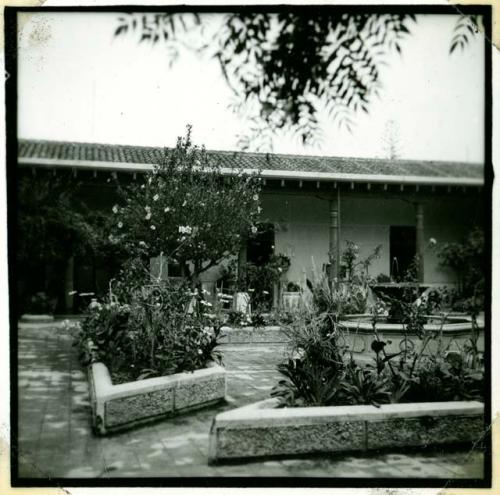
[12, 177]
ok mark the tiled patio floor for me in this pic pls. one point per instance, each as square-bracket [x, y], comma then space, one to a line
[55, 439]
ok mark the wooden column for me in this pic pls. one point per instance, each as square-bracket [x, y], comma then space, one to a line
[334, 238]
[419, 218]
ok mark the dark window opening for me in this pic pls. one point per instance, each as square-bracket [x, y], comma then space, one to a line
[260, 247]
[403, 248]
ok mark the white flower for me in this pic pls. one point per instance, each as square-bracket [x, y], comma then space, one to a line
[143, 186]
[120, 225]
[259, 209]
[432, 241]
[142, 243]
[156, 197]
[254, 229]
[153, 227]
[256, 197]
[167, 209]
[200, 351]
[147, 208]
[185, 229]
[148, 215]
[115, 209]
[418, 302]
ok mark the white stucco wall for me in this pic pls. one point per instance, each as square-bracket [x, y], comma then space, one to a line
[302, 226]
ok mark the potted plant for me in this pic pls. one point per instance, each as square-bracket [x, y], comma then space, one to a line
[292, 297]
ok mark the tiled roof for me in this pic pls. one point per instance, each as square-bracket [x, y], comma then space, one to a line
[102, 154]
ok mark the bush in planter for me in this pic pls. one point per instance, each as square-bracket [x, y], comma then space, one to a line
[313, 374]
[427, 375]
[151, 335]
[322, 372]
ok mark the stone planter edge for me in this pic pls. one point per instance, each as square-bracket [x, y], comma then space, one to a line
[121, 406]
[263, 430]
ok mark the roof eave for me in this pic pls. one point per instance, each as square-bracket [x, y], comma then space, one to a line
[265, 173]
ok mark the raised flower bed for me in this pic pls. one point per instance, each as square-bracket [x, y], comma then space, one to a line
[149, 359]
[127, 404]
[263, 430]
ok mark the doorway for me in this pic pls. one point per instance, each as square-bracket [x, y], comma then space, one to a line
[403, 248]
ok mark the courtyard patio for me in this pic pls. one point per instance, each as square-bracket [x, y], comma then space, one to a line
[55, 437]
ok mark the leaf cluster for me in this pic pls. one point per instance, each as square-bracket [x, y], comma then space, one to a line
[284, 68]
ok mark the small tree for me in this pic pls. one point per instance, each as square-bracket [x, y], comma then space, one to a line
[189, 210]
[391, 140]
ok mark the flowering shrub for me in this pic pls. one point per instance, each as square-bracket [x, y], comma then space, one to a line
[188, 209]
[152, 335]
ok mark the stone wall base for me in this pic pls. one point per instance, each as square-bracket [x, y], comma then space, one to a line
[262, 430]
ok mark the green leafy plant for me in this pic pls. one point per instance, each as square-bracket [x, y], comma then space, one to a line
[365, 386]
[238, 318]
[340, 299]
[419, 374]
[314, 373]
[157, 332]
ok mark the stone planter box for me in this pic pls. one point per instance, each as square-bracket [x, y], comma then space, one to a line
[263, 430]
[127, 404]
[259, 335]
